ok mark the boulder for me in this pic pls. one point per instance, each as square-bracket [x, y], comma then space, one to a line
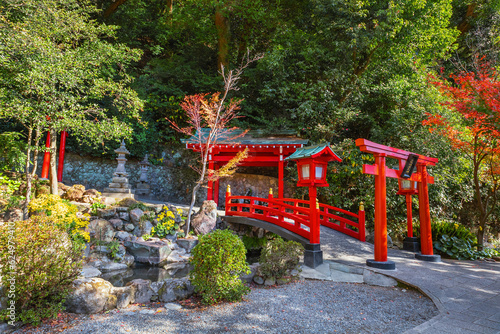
[90, 295]
[89, 272]
[129, 227]
[122, 236]
[253, 270]
[124, 216]
[74, 193]
[187, 243]
[101, 230]
[270, 281]
[135, 216]
[124, 296]
[112, 266]
[206, 219]
[13, 215]
[92, 192]
[127, 202]
[106, 213]
[117, 223]
[148, 252]
[128, 260]
[175, 289]
[143, 228]
[142, 290]
[178, 255]
[62, 186]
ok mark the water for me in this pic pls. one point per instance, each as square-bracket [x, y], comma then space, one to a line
[154, 274]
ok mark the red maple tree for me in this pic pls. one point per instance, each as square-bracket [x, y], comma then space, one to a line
[475, 99]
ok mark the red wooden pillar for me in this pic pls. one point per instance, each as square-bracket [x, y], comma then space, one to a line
[409, 218]
[62, 149]
[380, 210]
[216, 189]
[425, 216]
[210, 186]
[46, 159]
[313, 214]
[313, 255]
[281, 168]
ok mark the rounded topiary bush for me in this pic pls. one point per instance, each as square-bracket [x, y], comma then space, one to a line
[279, 256]
[218, 260]
[39, 262]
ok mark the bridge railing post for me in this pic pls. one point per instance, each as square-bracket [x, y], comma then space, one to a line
[228, 199]
[361, 221]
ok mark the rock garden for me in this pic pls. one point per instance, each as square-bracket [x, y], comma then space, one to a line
[109, 256]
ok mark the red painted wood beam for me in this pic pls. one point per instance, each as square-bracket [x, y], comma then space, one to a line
[373, 170]
[391, 152]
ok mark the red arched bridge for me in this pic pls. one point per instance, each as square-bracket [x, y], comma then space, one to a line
[291, 218]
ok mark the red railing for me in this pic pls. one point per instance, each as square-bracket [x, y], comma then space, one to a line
[292, 218]
[329, 217]
[294, 214]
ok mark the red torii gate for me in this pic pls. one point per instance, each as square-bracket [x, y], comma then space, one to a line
[407, 161]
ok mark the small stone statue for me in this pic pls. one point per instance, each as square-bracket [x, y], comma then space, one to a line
[143, 188]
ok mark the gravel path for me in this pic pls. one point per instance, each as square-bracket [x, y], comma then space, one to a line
[301, 307]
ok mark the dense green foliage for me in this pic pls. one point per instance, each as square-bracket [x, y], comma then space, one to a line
[42, 262]
[279, 256]
[218, 260]
[333, 70]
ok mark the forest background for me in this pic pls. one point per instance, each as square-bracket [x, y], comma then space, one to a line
[332, 70]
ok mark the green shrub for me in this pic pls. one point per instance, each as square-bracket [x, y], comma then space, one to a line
[139, 205]
[63, 214]
[218, 260]
[279, 256]
[462, 249]
[451, 229]
[39, 256]
[95, 206]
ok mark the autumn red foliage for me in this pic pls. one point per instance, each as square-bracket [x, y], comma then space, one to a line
[474, 129]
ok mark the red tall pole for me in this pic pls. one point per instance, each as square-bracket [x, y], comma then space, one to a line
[409, 217]
[380, 240]
[216, 189]
[425, 215]
[62, 149]
[280, 177]
[210, 185]
[314, 236]
[46, 159]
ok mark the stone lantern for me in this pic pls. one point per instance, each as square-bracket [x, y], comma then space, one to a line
[119, 183]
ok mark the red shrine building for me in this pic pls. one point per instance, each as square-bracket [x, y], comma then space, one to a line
[262, 152]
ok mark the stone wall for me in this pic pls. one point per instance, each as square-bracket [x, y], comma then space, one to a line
[170, 181]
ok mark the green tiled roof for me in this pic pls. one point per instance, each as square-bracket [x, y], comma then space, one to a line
[250, 138]
[310, 151]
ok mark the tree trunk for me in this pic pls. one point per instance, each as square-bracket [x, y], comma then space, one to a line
[53, 166]
[35, 153]
[114, 6]
[222, 25]
[28, 175]
[480, 235]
